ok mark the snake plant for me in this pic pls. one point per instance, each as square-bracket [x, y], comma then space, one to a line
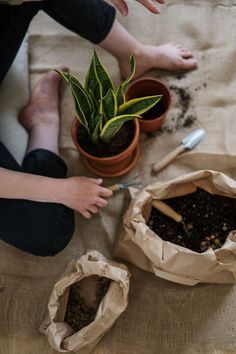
[101, 108]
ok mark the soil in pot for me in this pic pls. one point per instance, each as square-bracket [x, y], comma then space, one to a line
[84, 299]
[157, 111]
[209, 219]
[118, 144]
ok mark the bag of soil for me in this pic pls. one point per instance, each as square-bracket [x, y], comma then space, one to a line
[198, 247]
[85, 302]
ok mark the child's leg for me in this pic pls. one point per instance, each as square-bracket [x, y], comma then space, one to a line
[95, 21]
[41, 116]
[91, 19]
[42, 229]
[14, 22]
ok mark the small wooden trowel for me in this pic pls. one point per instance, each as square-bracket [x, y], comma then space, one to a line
[188, 143]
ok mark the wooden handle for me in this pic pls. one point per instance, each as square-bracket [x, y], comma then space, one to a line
[168, 158]
[114, 187]
[166, 210]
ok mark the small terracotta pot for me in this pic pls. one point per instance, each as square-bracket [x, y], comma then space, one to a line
[147, 86]
[112, 166]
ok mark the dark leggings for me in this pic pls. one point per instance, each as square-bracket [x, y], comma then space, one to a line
[42, 229]
[91, 19]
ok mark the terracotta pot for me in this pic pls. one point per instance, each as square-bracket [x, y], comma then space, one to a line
[147, 86]
[113, 166]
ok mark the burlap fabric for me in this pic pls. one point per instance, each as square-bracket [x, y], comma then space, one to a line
[162, 317]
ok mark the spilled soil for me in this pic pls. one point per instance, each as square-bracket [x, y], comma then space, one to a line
[183, 119]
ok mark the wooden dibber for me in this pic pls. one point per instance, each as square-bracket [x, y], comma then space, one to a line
[115, 187]
[166, 210]
[171, 213]
[133, 181]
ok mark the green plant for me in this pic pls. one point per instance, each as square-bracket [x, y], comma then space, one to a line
[100, 108]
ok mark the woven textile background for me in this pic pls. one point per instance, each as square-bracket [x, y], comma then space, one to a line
[162, 317]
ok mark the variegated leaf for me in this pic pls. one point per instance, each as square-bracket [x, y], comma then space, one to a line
[110, 104]
[121, 89]
[139, 105]
[92, 83]
[63, 74]
[96, 132]
[82, 103]
[114, 125]
[120, 96]
[102, 75]
[132, 61]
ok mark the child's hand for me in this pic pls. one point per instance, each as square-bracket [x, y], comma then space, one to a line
[86, 195]
[149, 4]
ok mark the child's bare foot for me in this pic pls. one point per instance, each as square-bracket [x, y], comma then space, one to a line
[169, 56]
[43, 107]
[41, 116]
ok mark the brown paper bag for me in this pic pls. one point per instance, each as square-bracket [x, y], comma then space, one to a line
[144, 248]
[60, 334]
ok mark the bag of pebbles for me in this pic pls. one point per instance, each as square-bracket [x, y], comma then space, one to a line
[85, 302]
[206, 251]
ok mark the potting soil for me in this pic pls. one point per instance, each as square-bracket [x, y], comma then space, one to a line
[118, 144]
[208, 218]
[84, 299]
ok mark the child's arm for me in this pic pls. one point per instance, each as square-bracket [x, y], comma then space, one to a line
[86, 195]
[149, 4]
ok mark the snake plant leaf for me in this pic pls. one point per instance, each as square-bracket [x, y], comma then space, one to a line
[139, 105]
[91, 123]
[121, 89]
[63, 74]
[77, 87]
[110, 104]
[100, 102]
[113, 126]
[97, 91]
[120, 96]
[102, 119]
[90, 79]
[102, 75]
[69, 78]
[93, 99]
[96, 131]
[132, 72]
[92, 83]
[80, 114]
[82, 103]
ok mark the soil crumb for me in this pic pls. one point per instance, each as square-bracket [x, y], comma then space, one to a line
[185, 118]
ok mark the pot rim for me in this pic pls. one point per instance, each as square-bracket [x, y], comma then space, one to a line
[150, 78]
[130, 148]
